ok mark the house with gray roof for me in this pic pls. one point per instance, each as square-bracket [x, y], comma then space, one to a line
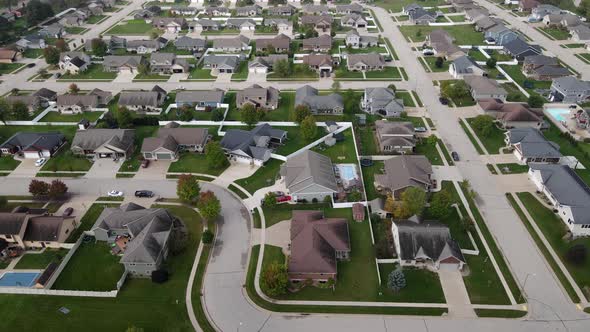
[104, 143]
[190, 44]
[221, 63]
[321, 63]
[75, 104]
[539, 12]
[167, 64]
[253, 10]
[200, 99]
[282, 25]
[569, 89]
[476, 14]
[395, 137]
[204, 25]
[31, 41]
[568, 194]
[236, 44]
[353, 20]
[217, 11]
[317, 245]
[382, 101]
[443, 44]
[580, 33]
[322, 43]
[144, 46]
[519, 49]
[143, 101]
[283, 10]
[355, 40]
[543, 68]
[530, 146]
[54, 30]
[403, 172]
[122, 64]
[484, 24]
[242, 24]
[319, 104]
[365, 62]
[464, 65]
[169, 24]
[483, 87]
[254, 146]
[33, 145]
[171, 140]
[309, 175]
[321, 23]
[73, 62]
[421, 16]
[259, 97]
[349, 8]
[511, 115]
[141, 236]
[184, 10]
[265, 64]
[315, 9]
[426, 244]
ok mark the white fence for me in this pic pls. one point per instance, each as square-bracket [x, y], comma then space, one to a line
[55, 292]
[63, 263]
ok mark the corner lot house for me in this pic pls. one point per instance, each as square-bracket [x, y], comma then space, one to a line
[569, 89]
[310, 176]
[382, 101]
[483, 87]
[317, 244]
[319, 104]
[254, 146]
[171, 140]
[531, 146]
[395, 137]
[104, 143]
[442, 44]
[567, 192]
[426, 243]
[511, 115]
[35, 229]
[365, 62]
[33, 145]
[259, 97]
[143, 101]
[142, 236]
[403, 172]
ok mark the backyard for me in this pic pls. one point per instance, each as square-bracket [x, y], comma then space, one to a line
[397, 5]
[59, 117]
[341, 152]
[132, 27]
[265, 176]
[295, 141]
[40, 260]
[369, 178]
[94, 72]
[463, 34]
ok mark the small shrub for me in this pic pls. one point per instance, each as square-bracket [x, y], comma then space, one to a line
[207, 237]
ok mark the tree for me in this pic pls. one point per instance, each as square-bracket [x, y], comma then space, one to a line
[74, 89]
[61, 45]
[3, 202]
[438, 63]
[270, 200]
[20, 111]
[282, 68]
[457, 90]
[36, 11]
[217, 115]
[431, 140]
[186, 114]
[536, 101]
[57, 190]
[440, 204]
[209, 205]
[354, 196]
[51, 55]
[214, 156]
[159, 277]
[207, 237]
[491, 63]
[188, 188]
[154, 35]
[389, 204]
[577, 254]
[250, 115]
[413, 201]
[309, 129]
[4, 110]
[124, 117]
[274, 279]
[396, 280]
[178, 238]
[392, 87]
[143, 68]
[99, 47]
[38, 188]
[483, 125]
[301, 112]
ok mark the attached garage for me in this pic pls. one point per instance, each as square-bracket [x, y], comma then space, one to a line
[164, 156]
[257, 70]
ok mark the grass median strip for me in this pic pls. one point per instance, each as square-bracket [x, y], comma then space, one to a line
[500, 313]
[471, 138]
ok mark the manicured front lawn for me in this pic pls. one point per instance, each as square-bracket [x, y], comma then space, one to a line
[406, 97]
[241, 73]
[299, 72]
[372, 49]
[513, 168]
[457, 18]
[198, 73]
[65, 160]
[397, 5]
[95, 19]
[75, 30]
[265, 176]
[7, 68]
[421, 285]
[463, 34]
[94, 72]
[430, 151]
[369, 178]
[152, 77]
[494, 142]
[59, 117]
[8, 163]
[343, 73]
[385, 74]
[341, 152]
[133, 163]
[32, 53]
[40, 261]
[516, 74]
[431, 60]
[556, 33]
[132, 27]
[190, 162]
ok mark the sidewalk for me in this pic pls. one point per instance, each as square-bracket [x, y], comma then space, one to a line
[456, 294]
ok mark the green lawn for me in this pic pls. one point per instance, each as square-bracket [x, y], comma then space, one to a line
[375, 49]
[471, 138]
[151, 77]
[8, 163]
[584, 57]
[7, 68]
[190, 162]
[133, 163]
[198, 73]
[421, 285]
[516, 74]
[341, 152]
[581, 150]
[463, 34]
[283, 113]
[554, 230]
[494, 142]
[132, 27]
[430, 151]
[397, 5]
[32, 53]
[514, 94]
[513, 168]
[94, 72]
[299, 72]
[386, 74]
[369, 177]
[59, 117]
[241, 73]
[343, 73]
[406, 96]
[95, 19]
[368, 142]
[75, 30]
[556, 33]
[65, 160]
[431, 60]
[457, 18]
[40, 261]
[265, 176]
[283, 211]
[295, 141]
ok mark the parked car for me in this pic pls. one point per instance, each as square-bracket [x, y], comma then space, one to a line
[115, 193]
[428, 51]
[443, 100]
[145, 163]
[420, 129]
[455, 156]
[283, 199]
[40, 162]
[278, 193]
[573, 106]
[31, 65]
[144, 193]
[490, 41]
[68, 212]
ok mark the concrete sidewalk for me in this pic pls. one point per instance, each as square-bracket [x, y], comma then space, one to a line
[456, 294]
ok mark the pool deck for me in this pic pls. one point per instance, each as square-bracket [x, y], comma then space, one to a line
[570, 125]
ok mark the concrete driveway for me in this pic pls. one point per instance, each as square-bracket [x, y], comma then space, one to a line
[157, 169]
[234, 172]
[104, 168]
[26, 169]
[279, 235]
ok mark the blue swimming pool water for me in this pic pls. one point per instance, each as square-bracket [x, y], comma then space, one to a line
[559, 114]
[347, 172]
[18, 279]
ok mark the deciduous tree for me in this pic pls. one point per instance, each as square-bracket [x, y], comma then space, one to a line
[440, 205]
[214, 156]
[74, 89]
[20, 111]
[51, 55]
[483, 125]
[57, 189]
[274, 279]
[250, 115]
[413, 201]
[61, 45]
[99, 47]
[209, 205]
[188, 188]
[270, 200]
[301, 112]
[38, 188]
[124, 117]
[536, 101]
[309, 129]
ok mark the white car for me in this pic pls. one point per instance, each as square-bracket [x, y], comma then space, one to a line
[40, 162]
[115, 193]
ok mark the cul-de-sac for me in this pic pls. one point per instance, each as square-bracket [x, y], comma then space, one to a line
[295, 165]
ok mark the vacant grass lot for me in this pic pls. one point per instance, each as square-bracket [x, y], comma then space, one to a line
[494, 142]
[132, 27]
[265, 176]
[397, 5]
[40, 261]
[299, 72]
[199, 73]
[463, 34]
[94, 72]
[59, 117]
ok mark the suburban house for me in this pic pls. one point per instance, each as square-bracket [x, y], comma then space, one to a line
[253, 10]
[530, 146]
[322, 43]
[353, 20]
[420, 16]
[426, 243]
[395, 137]
[33, 145]
[321, 23]
[321, 63]
[511, 115]
[74, 62]
[355, 40]
[382, 101]
[580, 33]
[170, 24]
[519, 49]
[74, 19]
[146, 45]
[259, 97]
[365, 62]
[319, 104]
[32, 41]
[190, 44]
[476, 14]
[115, 43]
[483, 87]
[236, 44]
[141, 236]
[75, 104]
[317, 244]
[254, 146]
[9, 56]
[171, 140]
[242, 24]
[35, 228]
[283, 10]
[569, 89]
[403, 172]
[309, 176]
[265, 64]
[442, 44]
[38, 100]
[104, 143]
[143, 101]
[484, 24]
[122, 64]
[540, 11]
[217, 11]
[500, 34]
[54, 30]
[200, 99]
[277, 44]
[184, 11]
[282, 25]
[204, 25]
[543, 68]
[167, 64]
[527, 6]
[568, 194]
[464, 65]
[349, 9]
[221, 63]
[315, 9]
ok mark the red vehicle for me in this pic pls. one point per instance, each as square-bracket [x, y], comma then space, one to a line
[283, 199]
[145, 163]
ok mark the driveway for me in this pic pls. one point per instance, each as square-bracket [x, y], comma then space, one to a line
[157, 169]
[253, 202]
[256, 77]
[26, 169]
[234, 172]
[279, 235]
[456, 294]
[104, 168]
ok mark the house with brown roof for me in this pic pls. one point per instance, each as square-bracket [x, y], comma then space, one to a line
[75, 104]
[365, 62]
[527, 5]
[511, 115]
[543, 68]
[403, 172]
[143, 101]
[317, 244]
[322, 43]
[171, 140]
[104, 143]
[170, 24]
[483, 87]
[265, 98]
[319, 22]
[443, 44]
[35, 229]
[9, 56]
[277, 44]
[395, 137]
[322, 63]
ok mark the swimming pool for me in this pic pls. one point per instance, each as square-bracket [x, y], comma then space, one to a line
[559, 114]
[347, 172]
[18, 279]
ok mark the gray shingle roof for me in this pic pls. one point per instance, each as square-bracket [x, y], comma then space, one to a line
[369, 59]
[193, 97]
[428, 238]
[533, 144]
[307, 169]
[253, 143]
[140, 98]
[405, 171]
[27, 141]
[384, 99]
[90, 139]
[309, 96]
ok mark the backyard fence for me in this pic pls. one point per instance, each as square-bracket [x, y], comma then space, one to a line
[56, 292]
[63, 263]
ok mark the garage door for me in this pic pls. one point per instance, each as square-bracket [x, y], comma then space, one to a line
[449, 266]
[260, 70]
[164, 156]
[32, 155]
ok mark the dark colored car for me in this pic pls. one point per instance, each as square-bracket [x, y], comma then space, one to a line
[144, 193]
[31, 65]
[443, 101]
[455, 156]
[145, 163]
[68, 212]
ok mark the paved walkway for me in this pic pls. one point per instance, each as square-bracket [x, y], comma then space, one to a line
[456, 294]
[279, 235]
[234, 172]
